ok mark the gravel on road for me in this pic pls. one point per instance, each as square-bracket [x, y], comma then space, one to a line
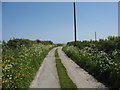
[47, 76]
[79, 76]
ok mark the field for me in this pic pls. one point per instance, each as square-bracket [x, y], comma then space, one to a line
[21, 59]
[100, 58]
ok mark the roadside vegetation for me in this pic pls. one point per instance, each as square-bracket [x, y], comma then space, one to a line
[0, 72]
[21, 59]
[0, 65]
[100, 58]
[64, 79]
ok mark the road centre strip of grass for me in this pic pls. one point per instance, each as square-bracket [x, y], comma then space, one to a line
[65, 81]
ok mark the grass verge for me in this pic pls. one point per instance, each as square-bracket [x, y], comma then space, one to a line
[65, 81]
[95, 62]
[19, 65]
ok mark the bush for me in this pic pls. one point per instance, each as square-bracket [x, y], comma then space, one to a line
[21, 59]
[108, 45]
[15, 43]
[44, 42]
[96, 63]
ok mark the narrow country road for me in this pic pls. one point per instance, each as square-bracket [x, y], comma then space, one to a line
[47, 76]
[79, 76]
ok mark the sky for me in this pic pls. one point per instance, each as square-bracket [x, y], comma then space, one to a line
[60, 0]
[0, 21]
[54, 20]
[119, 19]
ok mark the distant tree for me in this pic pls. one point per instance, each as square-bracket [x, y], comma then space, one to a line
[44, 42]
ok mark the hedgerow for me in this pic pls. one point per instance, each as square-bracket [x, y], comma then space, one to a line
[103, 65]
[21, 58]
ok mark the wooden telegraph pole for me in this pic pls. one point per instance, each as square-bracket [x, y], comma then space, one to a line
[74, 23]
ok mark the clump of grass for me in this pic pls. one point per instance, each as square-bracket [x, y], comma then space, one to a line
[65, 81]
[94, 62]
[19, 65]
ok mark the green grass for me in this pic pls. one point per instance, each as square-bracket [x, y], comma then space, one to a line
[65, 81]
[0, 74]
[0, 66]
[19, 65]
[94, 62]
